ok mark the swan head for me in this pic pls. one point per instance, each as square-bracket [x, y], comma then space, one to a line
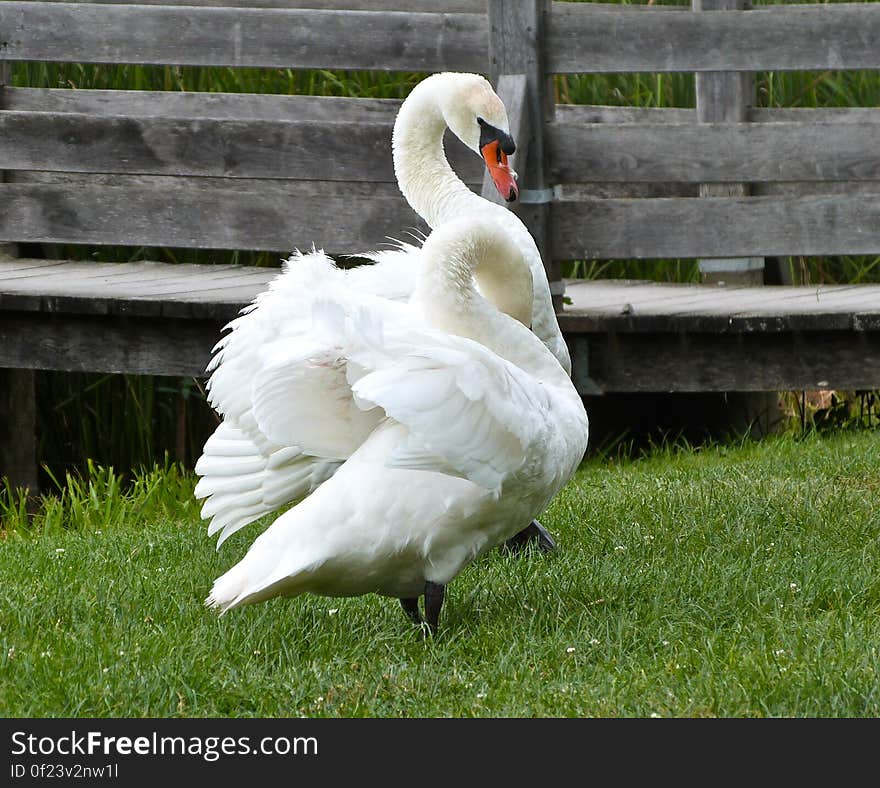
[475, 114]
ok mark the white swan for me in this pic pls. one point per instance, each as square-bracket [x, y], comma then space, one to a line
[245, 474]
[480, 426]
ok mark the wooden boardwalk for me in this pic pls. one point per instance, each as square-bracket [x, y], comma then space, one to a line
[152, 318]
[646, 336]
[621, 305]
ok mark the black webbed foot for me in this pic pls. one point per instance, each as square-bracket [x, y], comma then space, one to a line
[533, 533]
[411, 608]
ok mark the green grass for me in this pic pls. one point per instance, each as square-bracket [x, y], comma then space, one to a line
[733, 581]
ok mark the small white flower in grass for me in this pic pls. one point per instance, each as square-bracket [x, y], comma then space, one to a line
[780, 652]
[793, 587]
[594, 642]
[665, 642]
[105, 670]
[46, 653]
[620, 549]
[60, 550]
[333, 611]
[569, 650]
[160, 569]
[10, 653]
[481, 695]
[654, 715]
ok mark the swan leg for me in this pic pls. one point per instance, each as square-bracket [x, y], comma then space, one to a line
[411, 608]
[434, 593]
[533, 532]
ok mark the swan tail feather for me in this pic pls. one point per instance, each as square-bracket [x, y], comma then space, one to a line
[242, 482]
[277, 563]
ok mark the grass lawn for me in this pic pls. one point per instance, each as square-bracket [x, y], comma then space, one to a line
[731, 581]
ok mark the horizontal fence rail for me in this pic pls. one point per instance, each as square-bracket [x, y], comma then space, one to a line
[153, 212]
[581, 37]
[593, 37]
[716, 152]
[181, 104]
[715, 227]
[437, 6]
[301, 150]
[239, 37]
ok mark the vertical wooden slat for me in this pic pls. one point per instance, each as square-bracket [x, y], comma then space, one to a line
[516, 46]
[18, 453]
[6, 249]
[725, 97]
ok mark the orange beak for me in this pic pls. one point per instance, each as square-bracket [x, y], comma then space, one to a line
[502, 175]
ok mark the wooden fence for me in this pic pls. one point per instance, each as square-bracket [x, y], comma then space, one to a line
[725, 182]
[122, 145]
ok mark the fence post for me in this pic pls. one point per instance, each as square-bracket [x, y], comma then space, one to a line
[726, 97]
[516, 46]
[18, 455]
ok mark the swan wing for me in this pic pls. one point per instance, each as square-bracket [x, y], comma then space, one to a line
[245, 472]
[469, 412]
[243, 480]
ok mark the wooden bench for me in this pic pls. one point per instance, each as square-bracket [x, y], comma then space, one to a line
[724, 183]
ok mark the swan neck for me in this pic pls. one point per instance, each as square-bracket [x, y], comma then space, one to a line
[455, 266]
[424, 175]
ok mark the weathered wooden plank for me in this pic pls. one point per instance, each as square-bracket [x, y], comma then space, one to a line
[182, 104]
[587, 190]
[432, 6]
[6, 249]
[259, 37]
[578, 114]
[719, 227]
[12, 266]
[573, 192]
[715, 152]
[621, 362]
[85, 343]
[18, 452]
[304, 150]
[615, 305]
[725, 97]
[868, 189]
[331, 216]
[581, 114]
[594, 38]
[146, 288]
[138, 281]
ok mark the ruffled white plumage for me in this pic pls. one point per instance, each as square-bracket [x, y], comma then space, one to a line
[468, 446]
[277, 325]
